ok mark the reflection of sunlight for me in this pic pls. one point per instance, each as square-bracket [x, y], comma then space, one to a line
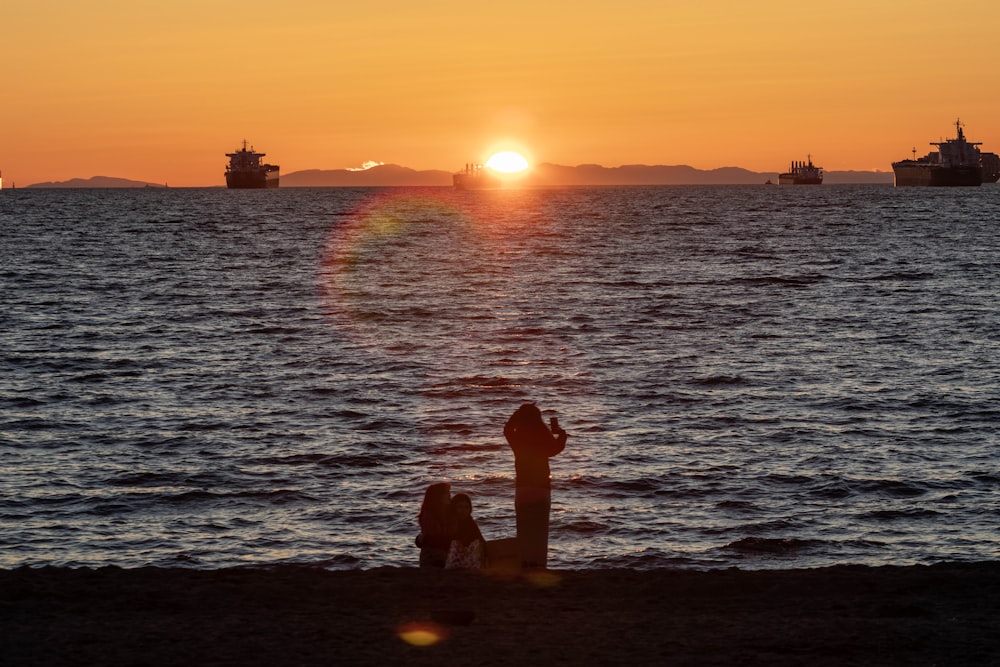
[421, 634]
[544, 579]
[372, 273]
[430, 283]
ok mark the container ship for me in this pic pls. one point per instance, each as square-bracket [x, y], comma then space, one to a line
[475, 177]
[802, 173]
[956, 162]
[245, 170]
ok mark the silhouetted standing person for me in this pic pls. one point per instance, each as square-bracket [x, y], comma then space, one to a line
[533, 444]
[435, 525]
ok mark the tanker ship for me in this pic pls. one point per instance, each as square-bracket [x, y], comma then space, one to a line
[246, 171]
[475, 177]
[956, 162]
[991, 167]
[802, 173]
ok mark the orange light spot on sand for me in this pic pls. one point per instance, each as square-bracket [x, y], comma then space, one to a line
[421, 634]
[544, 579]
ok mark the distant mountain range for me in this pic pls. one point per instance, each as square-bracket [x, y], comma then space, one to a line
[542, 175]
[554, 175]
[378, 176]
[97, 182]
[641, 174]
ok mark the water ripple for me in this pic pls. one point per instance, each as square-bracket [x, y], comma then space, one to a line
[752, 377]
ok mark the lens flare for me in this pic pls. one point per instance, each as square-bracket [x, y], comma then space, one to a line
[376, 268]
[427, 282]
[421, 633]
[544, 579]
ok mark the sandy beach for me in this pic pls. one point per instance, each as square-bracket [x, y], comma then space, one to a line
[943, 614]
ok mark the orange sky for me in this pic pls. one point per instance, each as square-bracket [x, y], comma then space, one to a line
[161, 91]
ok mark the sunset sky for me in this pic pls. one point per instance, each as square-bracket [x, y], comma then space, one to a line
[161, 91]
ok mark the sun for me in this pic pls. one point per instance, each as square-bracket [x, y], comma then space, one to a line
[507, 162]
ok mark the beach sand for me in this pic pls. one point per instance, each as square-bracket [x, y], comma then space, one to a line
[947, 614]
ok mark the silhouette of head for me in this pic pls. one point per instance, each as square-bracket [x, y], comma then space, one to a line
[437, 498]
[528, 418]
[461, 506]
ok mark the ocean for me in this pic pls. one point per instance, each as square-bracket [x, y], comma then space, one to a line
[751, 376]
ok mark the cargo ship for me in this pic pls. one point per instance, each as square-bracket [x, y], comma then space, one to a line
[475, 177]
[802, 173]
[956, 162]
[245, 170]
[991, 167]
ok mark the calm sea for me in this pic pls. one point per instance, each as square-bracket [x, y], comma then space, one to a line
[751, 376]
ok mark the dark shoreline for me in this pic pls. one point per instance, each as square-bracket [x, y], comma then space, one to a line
[945, 614]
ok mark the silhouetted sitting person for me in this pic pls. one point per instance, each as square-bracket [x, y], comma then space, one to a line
[468, 548]
[435, 525]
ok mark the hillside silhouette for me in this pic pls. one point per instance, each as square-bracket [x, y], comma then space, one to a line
[97, 182]
[380, 175]
[554, 175]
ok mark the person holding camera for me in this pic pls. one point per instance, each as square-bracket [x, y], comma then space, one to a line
[533, 444]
